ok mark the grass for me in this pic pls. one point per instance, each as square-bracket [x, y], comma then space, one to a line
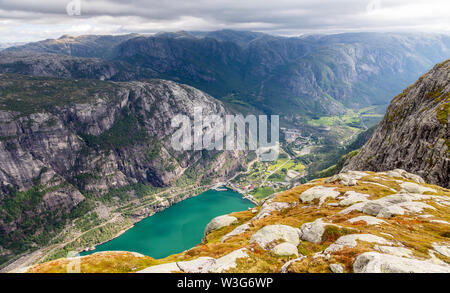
[262, 192]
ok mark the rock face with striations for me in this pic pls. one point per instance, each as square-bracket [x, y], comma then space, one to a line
[414, 134]
[60, 139]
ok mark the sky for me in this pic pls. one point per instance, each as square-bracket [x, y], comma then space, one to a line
[32, 20]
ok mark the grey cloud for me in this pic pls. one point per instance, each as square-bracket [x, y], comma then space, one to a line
[272, 16]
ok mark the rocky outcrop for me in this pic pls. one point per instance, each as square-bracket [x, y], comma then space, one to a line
[219, 222]
[372, 262]
[320, 193]
[415, 132]
[61, 138]
[285, 249]
[267, 235]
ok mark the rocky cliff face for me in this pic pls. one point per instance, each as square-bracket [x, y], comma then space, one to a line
[415, 132]
[61, 140]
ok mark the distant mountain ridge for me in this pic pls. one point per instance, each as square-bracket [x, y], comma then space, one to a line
[297, 77]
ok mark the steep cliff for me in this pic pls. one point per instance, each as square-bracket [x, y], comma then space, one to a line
[415, 133]
[64, 140]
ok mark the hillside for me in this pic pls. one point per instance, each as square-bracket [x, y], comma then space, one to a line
[74, 151]
[351, 222]
[415, 132]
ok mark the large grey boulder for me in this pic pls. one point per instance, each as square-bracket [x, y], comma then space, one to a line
[238, 230]
[399, 173]
[199, 265]
[285, 249]
[313, 231]
[397, 251]
[228, 261]
[219, 222]
[337, 268]
[443, 249]
[374, 262]
[268, 234]
[318, 192]
[352, 241]
[404, 208]
[162, 269]
[349, 178]
[268, 207]
[373, 207]
[352, 197]
[409, 187]
[368, 219]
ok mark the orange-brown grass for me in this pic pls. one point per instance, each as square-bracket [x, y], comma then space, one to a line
[107, 262]
[258, 261]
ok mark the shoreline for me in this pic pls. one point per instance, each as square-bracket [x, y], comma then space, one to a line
[214, 187]
[37, 256]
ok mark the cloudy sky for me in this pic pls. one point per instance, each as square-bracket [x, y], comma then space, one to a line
[31, 20]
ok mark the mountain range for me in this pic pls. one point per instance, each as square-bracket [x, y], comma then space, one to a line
[298, 77]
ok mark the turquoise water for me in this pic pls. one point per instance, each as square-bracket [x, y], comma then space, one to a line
[177, 228]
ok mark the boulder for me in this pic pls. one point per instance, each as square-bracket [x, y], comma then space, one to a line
[397, 251]
[343, 179]
[352, 241]
[162, 269]
[199, 265]
[355, 207]
[352, 197]
[318, 192]
[399, 173]
[373, 207]
[374, 262]
[349, 178]
[368, 219]
[228, 261]
[409, 187]
[269, 207]
[403, 208]
[238, 230]
[337, 268]
[268, 234]
[219, 222]
[442, 249]
[285, 249]
[313, 231]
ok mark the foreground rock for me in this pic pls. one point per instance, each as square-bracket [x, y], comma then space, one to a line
[373, 262]
[228, 261]
[219, 222]
[269, 234]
